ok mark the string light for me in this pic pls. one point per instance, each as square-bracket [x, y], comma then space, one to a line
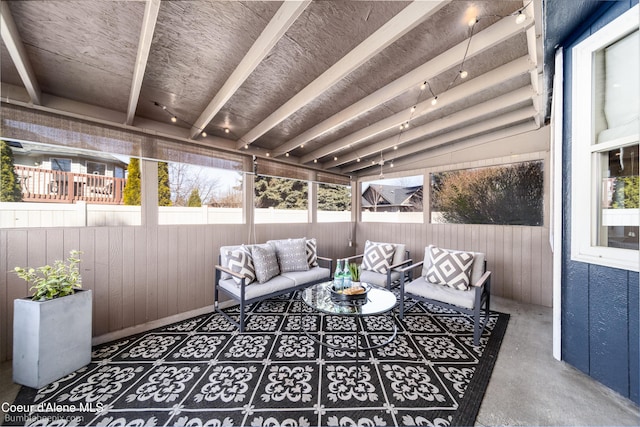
[174, 119]
[520, 18]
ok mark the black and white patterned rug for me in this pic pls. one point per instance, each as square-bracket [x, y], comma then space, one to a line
[202, 372]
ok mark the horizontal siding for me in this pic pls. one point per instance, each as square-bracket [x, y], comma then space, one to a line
[141, 274]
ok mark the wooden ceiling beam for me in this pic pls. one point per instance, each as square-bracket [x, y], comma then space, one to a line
[508, 100]
[498, 32]
[492, 78]
[501, 121]
[275, 29]
[13, 42]
[407, 19]
[151, 9]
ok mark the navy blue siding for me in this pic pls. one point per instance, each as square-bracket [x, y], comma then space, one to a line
[600, 305]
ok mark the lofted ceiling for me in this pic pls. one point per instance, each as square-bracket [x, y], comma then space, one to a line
[333, 85]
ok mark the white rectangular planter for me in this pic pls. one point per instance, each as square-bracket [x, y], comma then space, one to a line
[51, 338]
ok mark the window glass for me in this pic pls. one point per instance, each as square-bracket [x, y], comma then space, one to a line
[503, 195]
[55, 189]
[393, 200]
[96, 168]
[280, 200]
[334, 203]
[193, 194]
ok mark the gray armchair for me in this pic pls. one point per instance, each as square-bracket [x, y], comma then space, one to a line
[469, 301]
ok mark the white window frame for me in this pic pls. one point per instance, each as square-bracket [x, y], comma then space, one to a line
[585, 163]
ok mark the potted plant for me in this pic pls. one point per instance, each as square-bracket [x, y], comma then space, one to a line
[52, 328]
[354, 269]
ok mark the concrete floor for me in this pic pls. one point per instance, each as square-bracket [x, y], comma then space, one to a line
[528, 386]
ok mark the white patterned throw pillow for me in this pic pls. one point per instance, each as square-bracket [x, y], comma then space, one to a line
[312, 253]
[240, 261]
[291, 254]
[377, 256]
[451, 268]
[265, 262]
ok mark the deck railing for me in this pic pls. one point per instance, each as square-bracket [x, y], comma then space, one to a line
[43, 185]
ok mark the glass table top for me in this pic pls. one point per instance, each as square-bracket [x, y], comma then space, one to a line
[379, 300]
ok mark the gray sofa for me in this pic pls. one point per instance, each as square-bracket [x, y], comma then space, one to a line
[235, 281]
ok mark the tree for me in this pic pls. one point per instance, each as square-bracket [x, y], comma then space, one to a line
[194, 199]
[280, 193]
[164, 191]
[9, 183]
[185, 178]
[510, 195]
[334, 198]
[131, 195]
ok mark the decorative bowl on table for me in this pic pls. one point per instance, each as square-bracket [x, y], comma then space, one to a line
[354, 294]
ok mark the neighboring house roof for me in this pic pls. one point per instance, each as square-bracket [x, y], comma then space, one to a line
[391, 195]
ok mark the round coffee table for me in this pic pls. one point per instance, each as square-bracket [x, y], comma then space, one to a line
[379, 301]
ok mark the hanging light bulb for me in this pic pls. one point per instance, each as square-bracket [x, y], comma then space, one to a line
[174, 119]
[520, 17]
[358, 160]
[472, 21]
[268, 154]
[423, 86]
[335, 158]
[204, 134]
[226, 130]
[395, 147]
[413, 108]
[434, 101]
[287, 154]
[246, 146]
[402, 126]
[315, 160]
[391, 165]
[463, 74]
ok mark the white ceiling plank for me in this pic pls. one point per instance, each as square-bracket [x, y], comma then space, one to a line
[151, 9]
[477, 111]
[392, 30]
[500, 31]
[442, 150]
[467, 132]
[13, 42]
[494, 77]
[275, 29]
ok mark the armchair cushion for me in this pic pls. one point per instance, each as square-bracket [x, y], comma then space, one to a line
[291, 254]
[265, 262]
[451, 268]
[377, 256]
[240, 261]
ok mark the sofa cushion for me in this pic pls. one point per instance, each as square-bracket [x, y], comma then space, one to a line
[223, 258]
[312, 253]
[399, 253]
[422, 287]
[451, 268]
[276, 284]
[311, 275]
[265, 262]
[291, 254]
[377, 256]
[240, 261]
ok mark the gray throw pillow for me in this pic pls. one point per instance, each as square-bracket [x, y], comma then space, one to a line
[240, 261]
[451, 268]
[265, 262]
[291, 254]
[377, 256]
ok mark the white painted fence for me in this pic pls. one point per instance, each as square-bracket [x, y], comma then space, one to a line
[80, 214]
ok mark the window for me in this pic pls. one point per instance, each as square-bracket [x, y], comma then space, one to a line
[280, 200]
[94, 168]
[393, 200]
[511, 194]
[59, 164]
[194, 194]
[334, 203]
[605, 120]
